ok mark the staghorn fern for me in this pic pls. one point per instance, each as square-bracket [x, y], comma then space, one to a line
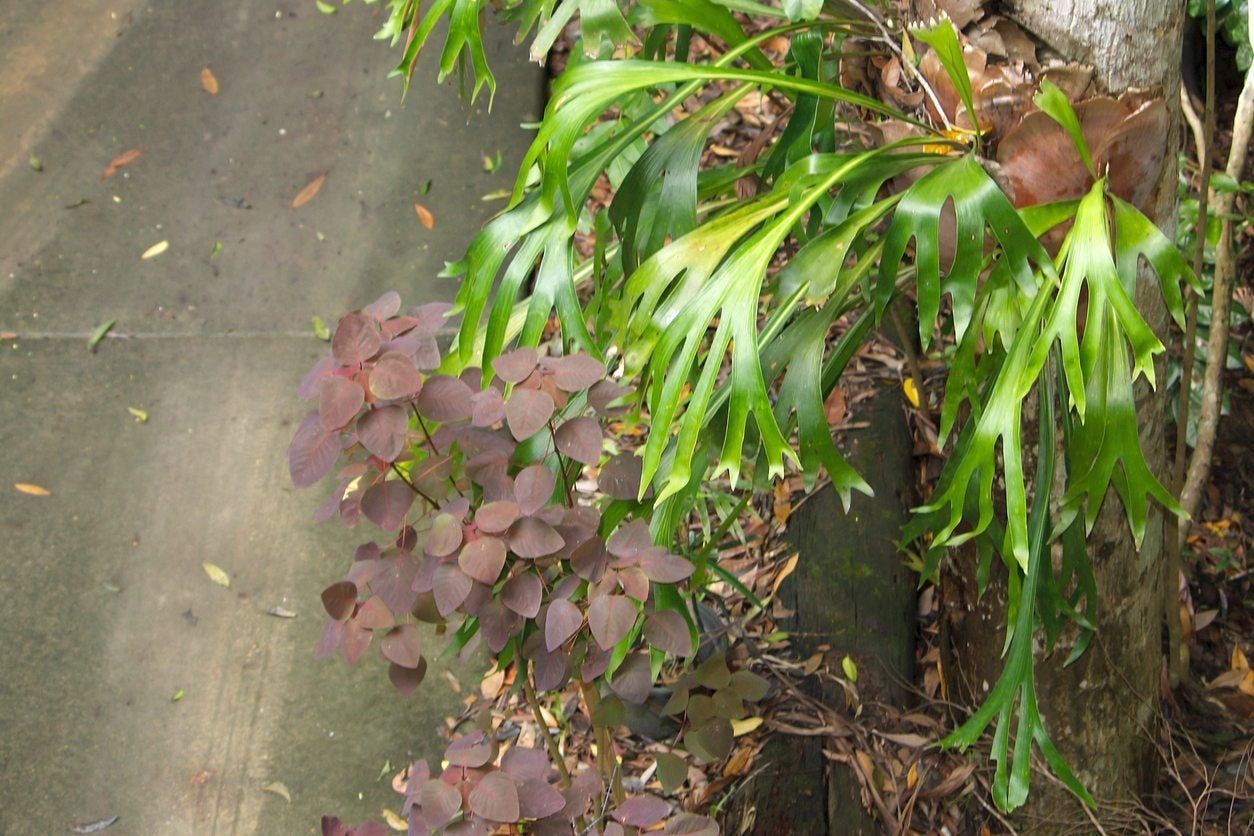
[735, 357]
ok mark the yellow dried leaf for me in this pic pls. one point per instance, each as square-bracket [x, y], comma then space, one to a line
[216, 574]
[912, 392]
[279, 789]
[1239, 662]
[424, 216]
[208, 81]
[155, 250]
[32, 490]
[912, 777]
[395, 821]
[309, 192]
[1247, 683]
[745, 726]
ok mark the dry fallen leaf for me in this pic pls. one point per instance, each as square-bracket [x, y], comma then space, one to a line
[912, 392]
[307, 194]
[216, 574]
[208, 81]
[424, 216]
[155, 250]
[745, 726]
[125, 158]
[395, 821]
[278, 788]
[33, 490]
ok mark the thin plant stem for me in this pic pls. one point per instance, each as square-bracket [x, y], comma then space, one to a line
[607, 761]
[414, 487]
[555, 754]
[1178, 651]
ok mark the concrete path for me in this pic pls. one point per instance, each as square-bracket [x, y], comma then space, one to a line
[107, 612]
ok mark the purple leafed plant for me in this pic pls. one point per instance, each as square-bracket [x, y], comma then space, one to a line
[479, 481]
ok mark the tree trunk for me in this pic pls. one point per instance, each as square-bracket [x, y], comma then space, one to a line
[1102, 710]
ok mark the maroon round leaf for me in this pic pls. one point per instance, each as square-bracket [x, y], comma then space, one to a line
[551, 670]
[496, 798]
[487, 408]
[312, 453]
[711, 741]
[332, 638]
[338, 401]
[440, 802]
[356, 340]
[356, 640]
[496, 517]
[523, 763]
[393, 581]
[690, 824]
[450, 586]
[727, 704]
[431, 316]
[445, 536]
[561, 622]
[577, 372]
[374, 614]
[426, 352]
[634, 582]
[392, 330]
[395, 376]
[663, 567]
[667, 630]
[382, 431]
[641, 811]
[340, 599]
[630, 540]
[713, 673]
[610, 618]
[671, 771]
[588, 559]
[385, 306]
[528, 411]
[749, 686]
[537, 799]
[497, 625]
[482, 559]
[604, 393]
[522, 594]
[445, 399]
[313, 381]
[406, 538]
[580, 438]
[533, 488]
[531, 537]
[595, 663]
[620, 477]
[387, 503]
[471, 750]
[633, 679]
[403, 646]
[514, 366]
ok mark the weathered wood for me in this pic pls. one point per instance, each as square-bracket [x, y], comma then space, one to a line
[852, 591]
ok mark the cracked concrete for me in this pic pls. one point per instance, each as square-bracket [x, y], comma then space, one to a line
[108, 612]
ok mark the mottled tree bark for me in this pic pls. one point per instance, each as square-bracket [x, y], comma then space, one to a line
[1102, 710]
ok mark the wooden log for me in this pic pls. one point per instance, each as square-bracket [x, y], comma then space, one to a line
[853, 592]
